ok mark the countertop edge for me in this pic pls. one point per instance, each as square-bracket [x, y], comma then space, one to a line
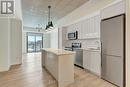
[61, 51]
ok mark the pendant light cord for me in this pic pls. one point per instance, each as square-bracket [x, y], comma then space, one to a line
[49, 7]
[50, 24]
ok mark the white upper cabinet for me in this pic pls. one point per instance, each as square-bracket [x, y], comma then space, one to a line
[91, 28]
[83, 29]
[79, 29]
[87, 29]
[97, 26]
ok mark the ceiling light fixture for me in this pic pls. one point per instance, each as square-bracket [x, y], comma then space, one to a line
[50, 24]
[39, 28]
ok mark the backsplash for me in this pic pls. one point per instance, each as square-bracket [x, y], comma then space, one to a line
[86, 43]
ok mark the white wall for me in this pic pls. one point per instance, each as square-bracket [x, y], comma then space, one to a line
[18, 9]
[4, 44]
[16, 42]
[10, 49]
[10, 46]
[54, 38]
[24, 43]
[128, 43]
[46, 41]
[113, 10]
[62, 37]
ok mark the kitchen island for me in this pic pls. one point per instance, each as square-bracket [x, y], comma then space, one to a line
[60, 64]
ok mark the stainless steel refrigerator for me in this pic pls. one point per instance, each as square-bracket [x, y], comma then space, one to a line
[113, 50]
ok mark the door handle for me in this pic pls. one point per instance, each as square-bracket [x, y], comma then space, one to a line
[111, 55]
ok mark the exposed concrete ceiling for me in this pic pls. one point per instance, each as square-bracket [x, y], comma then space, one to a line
[36, 11]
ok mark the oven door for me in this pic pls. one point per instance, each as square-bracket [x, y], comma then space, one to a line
[79, 57]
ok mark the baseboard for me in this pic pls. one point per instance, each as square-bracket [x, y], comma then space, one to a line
[16, 63]
[4, 68]
[99, 76]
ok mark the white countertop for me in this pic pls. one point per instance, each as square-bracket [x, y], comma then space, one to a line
[58, 51]
[92, 50]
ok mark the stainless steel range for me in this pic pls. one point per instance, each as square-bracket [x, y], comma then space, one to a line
[79, 53]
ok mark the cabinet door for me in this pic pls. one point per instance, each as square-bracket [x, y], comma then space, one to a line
[97, 24]
[92, 22]
[95, 66]
[84, 29]
[79, 29]
[86, 59]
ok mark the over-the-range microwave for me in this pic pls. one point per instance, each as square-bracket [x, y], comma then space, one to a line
[73, 35]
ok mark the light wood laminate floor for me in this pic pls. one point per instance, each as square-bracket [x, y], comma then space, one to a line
[31, 74]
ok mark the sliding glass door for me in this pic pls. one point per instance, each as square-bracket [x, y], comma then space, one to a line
[34, 42]
[39, 43]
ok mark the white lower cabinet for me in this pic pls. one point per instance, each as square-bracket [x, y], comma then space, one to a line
[86, 59]
[95, 66]
[92, 61]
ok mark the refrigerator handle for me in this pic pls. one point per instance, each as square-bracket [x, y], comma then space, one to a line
[101, 54]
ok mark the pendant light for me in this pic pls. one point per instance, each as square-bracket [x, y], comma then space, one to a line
[50, 24]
